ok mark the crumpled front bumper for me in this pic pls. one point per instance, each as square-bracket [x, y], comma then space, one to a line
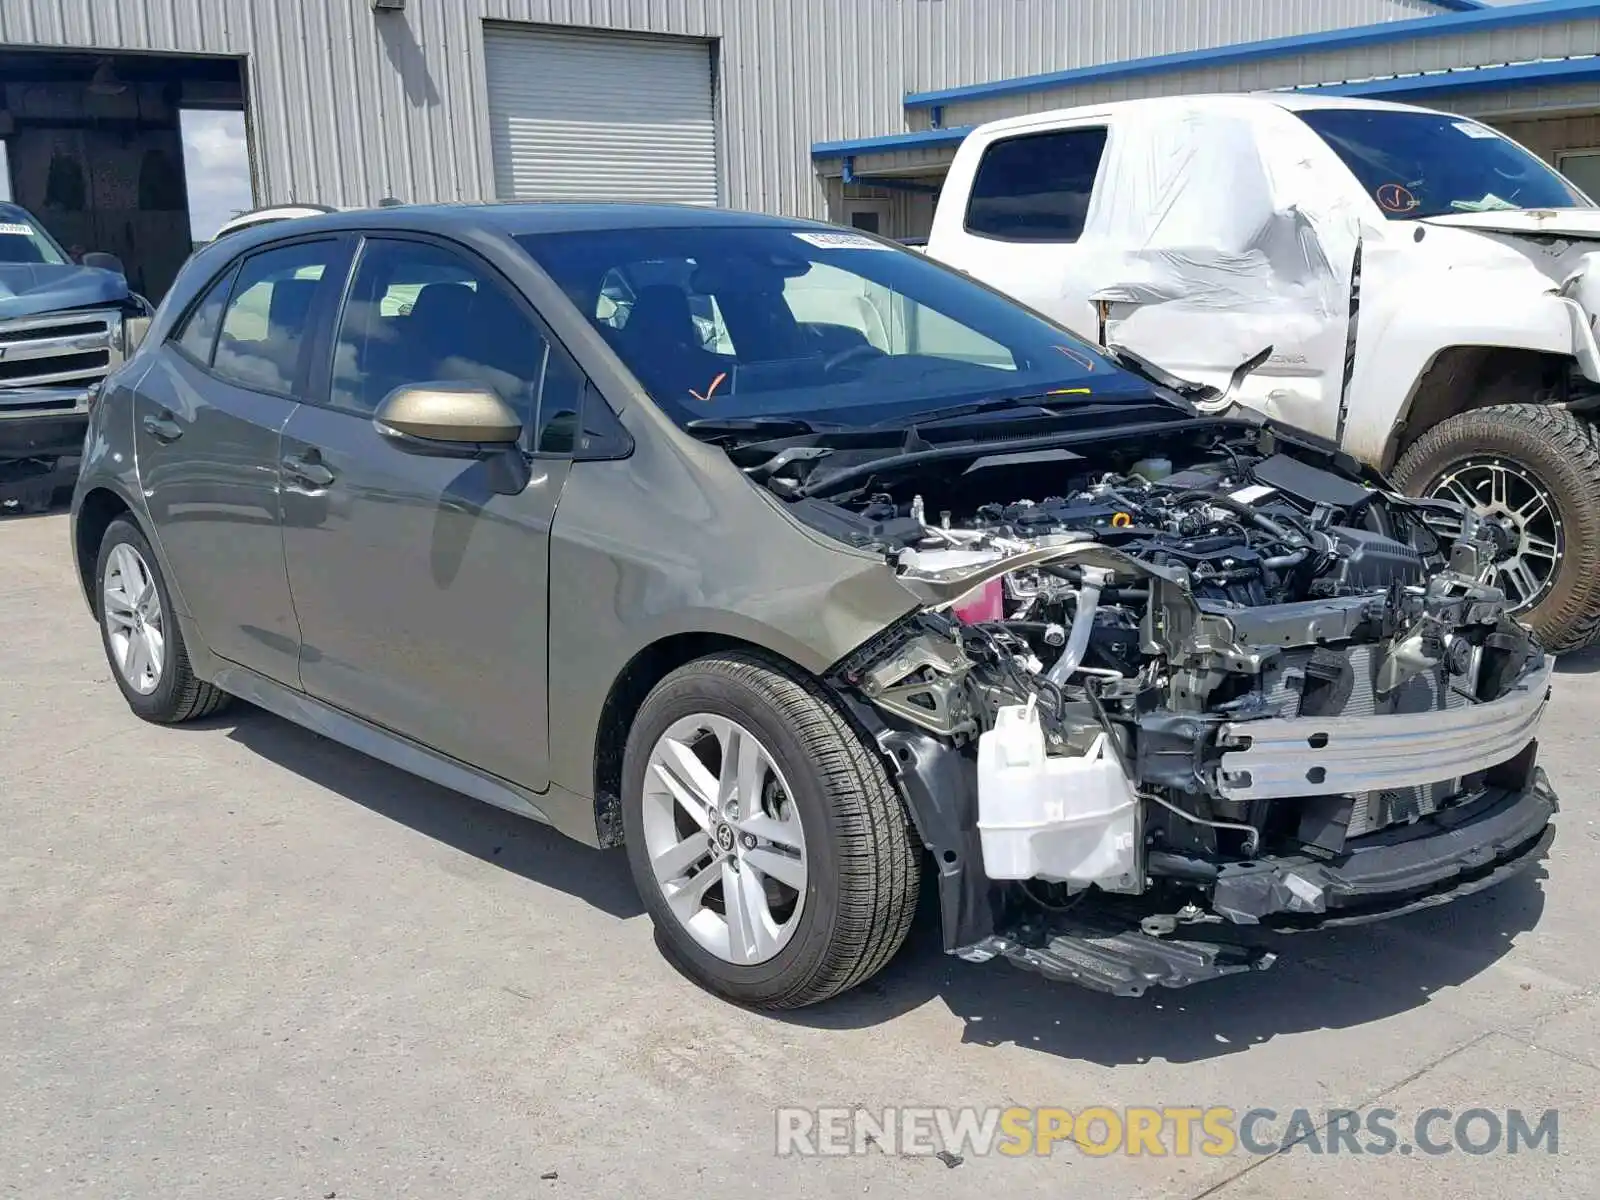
[1453, 854]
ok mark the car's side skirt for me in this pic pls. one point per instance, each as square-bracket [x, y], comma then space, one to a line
[375, 741]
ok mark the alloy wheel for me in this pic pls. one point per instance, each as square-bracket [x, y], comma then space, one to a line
[724, 838]
[1505, 493]
[134, 623]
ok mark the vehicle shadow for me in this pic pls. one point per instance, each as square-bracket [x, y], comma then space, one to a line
[511, 842]
[1328, 980]
[16, 502]
[1579, 662]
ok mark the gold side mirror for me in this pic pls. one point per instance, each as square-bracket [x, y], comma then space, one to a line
[446, 417]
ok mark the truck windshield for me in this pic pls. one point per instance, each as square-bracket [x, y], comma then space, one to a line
[1420, 164]
[22, 241]
[741, 321]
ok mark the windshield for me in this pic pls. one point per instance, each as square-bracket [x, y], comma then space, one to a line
[828, 326]
[22, 241]
[1420, 164]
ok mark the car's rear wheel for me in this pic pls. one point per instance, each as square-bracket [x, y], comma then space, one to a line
[1534, 470]
[765, 836]
[140, 632]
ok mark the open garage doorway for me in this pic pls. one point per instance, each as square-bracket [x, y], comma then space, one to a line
[95, 147]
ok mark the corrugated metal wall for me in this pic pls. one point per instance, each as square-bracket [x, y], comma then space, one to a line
[1554, 135]
[1554, 40]
[1516, 106]
[348, 106]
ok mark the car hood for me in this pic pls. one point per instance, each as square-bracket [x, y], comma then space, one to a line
[27, 289]
[1529, 222]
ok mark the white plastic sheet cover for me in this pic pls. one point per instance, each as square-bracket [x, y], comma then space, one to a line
[1212, 239]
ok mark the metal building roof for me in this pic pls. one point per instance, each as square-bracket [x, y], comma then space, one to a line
[1498, 76]
[1468, 17]
[1478, 19]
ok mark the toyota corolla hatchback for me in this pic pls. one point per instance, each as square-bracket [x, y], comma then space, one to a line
[815, 573]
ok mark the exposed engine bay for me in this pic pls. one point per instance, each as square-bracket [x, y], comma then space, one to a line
[1213, 680]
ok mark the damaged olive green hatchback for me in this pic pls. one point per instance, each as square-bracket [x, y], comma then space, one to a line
[816, 573]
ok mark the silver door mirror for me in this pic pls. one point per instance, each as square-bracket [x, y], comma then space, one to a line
[448, 419]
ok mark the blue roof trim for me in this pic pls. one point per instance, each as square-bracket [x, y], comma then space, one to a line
[1477, 20]
[890, 142]
[1521, 75]
[1570, 70]
[1462, 5]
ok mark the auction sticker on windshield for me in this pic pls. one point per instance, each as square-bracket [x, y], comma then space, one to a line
[1473, 130]
[841, 241]
[1394, 197]
[11, 227]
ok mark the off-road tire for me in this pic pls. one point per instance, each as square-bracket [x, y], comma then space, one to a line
[863, 864]
[180, 695]
[1562, 451]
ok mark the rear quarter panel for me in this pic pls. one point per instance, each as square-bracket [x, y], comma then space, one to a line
[110, 462]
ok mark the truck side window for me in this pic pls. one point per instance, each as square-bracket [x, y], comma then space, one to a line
[1036, 188]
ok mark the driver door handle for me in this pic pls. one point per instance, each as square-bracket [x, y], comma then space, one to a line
[162, 427]
[308, 469]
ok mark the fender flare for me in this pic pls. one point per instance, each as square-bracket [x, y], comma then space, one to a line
[1407, 340]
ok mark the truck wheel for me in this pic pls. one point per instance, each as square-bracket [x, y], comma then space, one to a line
[1535, 469]
[766, 839]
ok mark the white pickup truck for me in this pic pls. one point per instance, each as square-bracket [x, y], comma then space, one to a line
[1428, 289]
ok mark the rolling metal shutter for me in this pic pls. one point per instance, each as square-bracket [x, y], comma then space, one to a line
[600, 116]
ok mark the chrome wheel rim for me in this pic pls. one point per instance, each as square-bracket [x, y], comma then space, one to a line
[134, 624]
[723, 835]
[1510, 496]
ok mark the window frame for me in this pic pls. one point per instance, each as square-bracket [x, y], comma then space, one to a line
[1575, 152]
[1101, 126]
[179, 327]
[316, 322]
[320, 389]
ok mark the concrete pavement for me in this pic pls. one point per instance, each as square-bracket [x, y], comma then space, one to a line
[237, 960]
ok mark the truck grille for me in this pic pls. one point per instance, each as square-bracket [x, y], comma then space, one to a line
[57, 351]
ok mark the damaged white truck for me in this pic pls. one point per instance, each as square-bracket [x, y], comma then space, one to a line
[1425, 290]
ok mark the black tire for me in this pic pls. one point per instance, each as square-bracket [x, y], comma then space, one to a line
[179, 695]
[1561, 451]
[862, 862]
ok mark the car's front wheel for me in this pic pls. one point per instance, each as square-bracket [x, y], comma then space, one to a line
[765, 836]
[140, 632]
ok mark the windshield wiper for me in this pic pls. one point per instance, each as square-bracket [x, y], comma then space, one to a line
[762, 426]
[854, 477]
[1043, 402]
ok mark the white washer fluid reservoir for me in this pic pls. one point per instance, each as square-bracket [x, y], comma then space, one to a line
[1073, 820]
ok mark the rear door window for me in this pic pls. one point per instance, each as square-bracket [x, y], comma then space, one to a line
[1036, 188]
[199, 331]
[267, 320]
